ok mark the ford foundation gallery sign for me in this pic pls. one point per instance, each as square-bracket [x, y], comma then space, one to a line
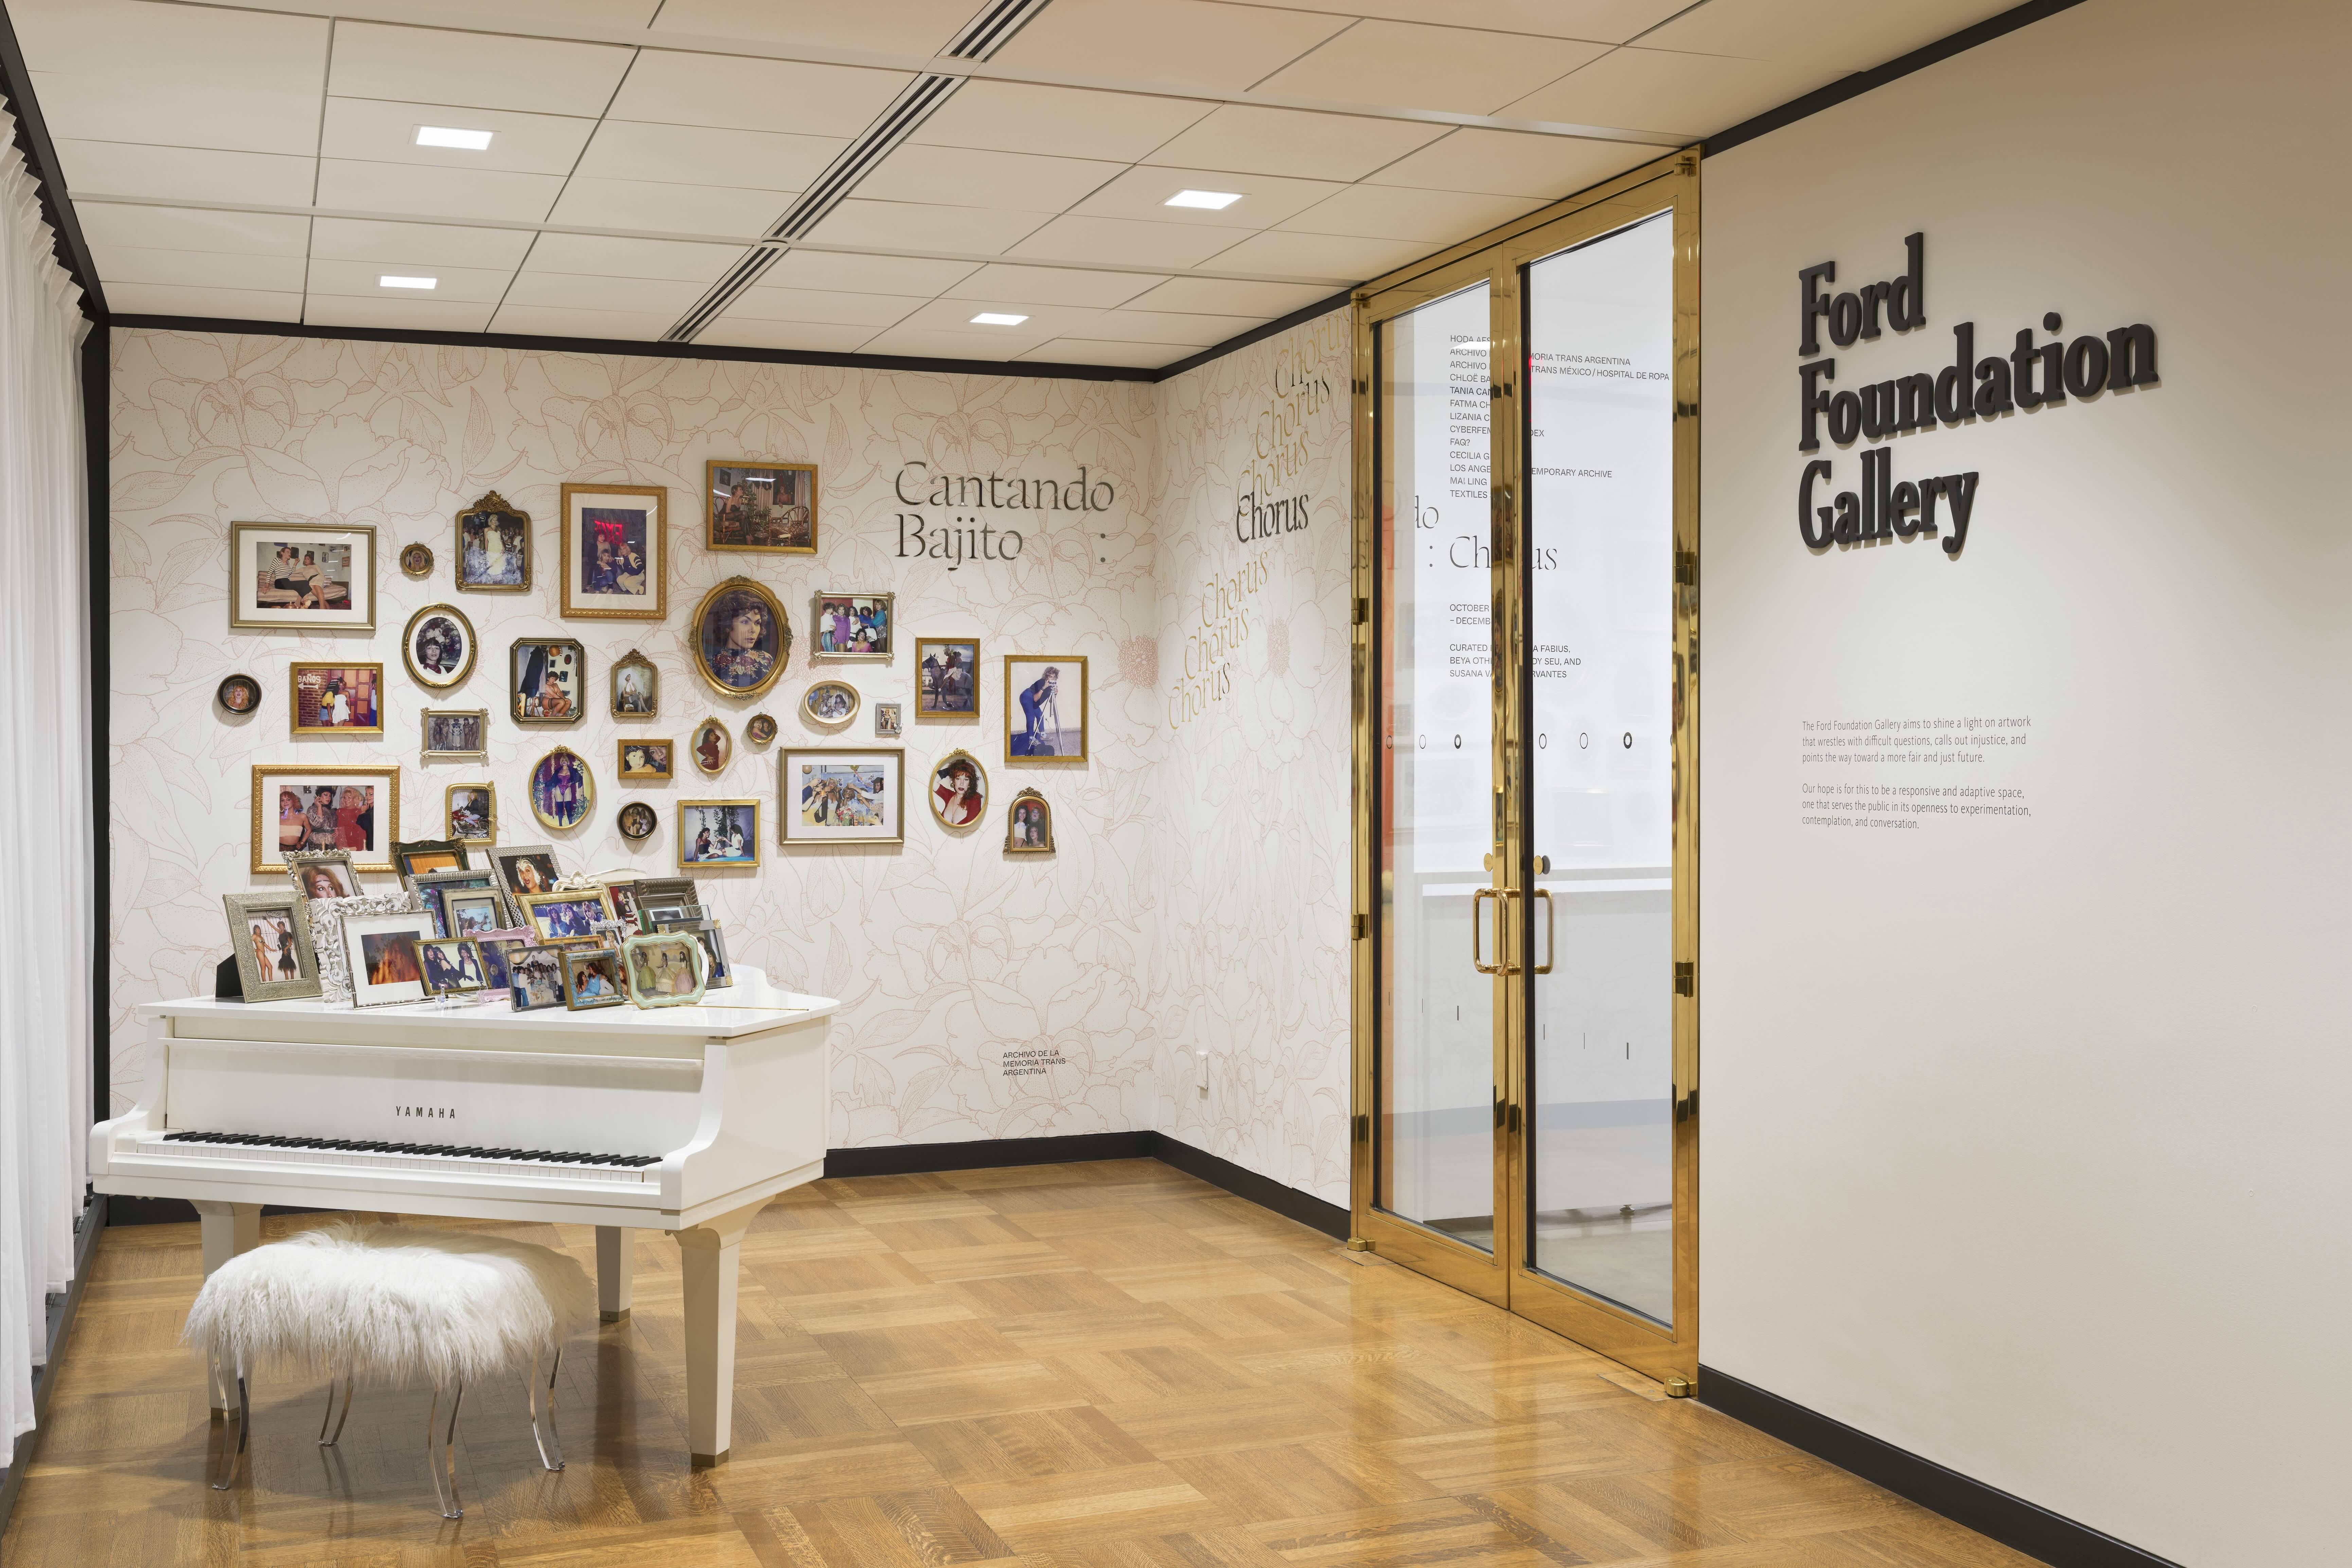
[2030, 375]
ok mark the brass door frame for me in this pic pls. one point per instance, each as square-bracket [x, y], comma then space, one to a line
[1505, 1278]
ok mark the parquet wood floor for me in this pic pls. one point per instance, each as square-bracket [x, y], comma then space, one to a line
[1106, 1365]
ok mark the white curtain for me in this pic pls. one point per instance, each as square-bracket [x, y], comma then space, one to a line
[44, 815]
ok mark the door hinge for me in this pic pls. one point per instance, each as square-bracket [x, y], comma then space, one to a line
[1685, 568]
[1364, 611]
[1363, 927]
[1685, 979]
[1363, 1127]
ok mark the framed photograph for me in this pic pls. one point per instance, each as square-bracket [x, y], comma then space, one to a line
[524, 870]
[336, 699]
[386, 969]
[624, 902]
[472, 913]
[439, 647]
[298, 808]
[886, 721]
[456, 734]
[545, 679]
[301, 576]
[741, 637]
[636, 686]
[853, 625]
[1029, 825]
[829, 703]
[664, 970]
[593, 979]
[842, 795]
[497, 975]
[421, 855]
[563, 790]
[535, 977]
[615, 552]
[416, 560]
[435, 890]
[1045, 706]
[712, 747]
[716, 971]
[946, 677]
[658, 892]
[713, 833]
[759, 729]
[644, 760]
[473, 813]
[769, 508]
[959, 790]
[324, 874]
[493, 547]
[556, 917]
[238, 693]
[637, 820]
[270, 935]
[452, 966]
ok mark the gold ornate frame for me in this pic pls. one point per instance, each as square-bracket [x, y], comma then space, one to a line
[656, 546]
[409, 648]
[492, 504]
[709, 500]
[680, 849]
[784, 636]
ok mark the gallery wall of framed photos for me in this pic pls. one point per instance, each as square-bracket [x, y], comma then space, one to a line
[666, 595]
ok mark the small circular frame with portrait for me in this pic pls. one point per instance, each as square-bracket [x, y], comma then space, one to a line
[439, 647]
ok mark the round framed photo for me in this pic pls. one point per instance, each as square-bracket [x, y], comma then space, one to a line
[563, 790]
[761, 730]
[741, 638]
[959, 790]
[638, 820]
[713, 746]
[439, 646]
[829, 702]
[238, 694]
[416, 560]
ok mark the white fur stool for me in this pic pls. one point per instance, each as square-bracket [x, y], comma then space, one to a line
[390, 1303]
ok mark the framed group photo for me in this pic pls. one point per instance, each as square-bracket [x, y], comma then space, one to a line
[300, 576]
[437, 889]
[829, 703]
[493, 547]
[546, 678]
[439, 647]
[456, 734]
[295, 808]
[842, 795]
[760, 507]
[853, 625]
[557, 916]
[336, 699]
[270, 933]
[717, 833]
[946, 677]
[1045, 706]
[1029, 825]
[741, 637]
[615, 552]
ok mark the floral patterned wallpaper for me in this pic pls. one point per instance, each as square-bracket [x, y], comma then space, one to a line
[1100, 964]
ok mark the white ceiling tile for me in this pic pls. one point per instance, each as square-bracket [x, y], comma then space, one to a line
[851, 273]
[196, 269]
[1854, 34]
[1039, 321]
[920, 343]
[755, 94]
[1267, 200]
[1091, 350]
[1150, 43]
[736, 330]
[1605, 21]
[380, 131]
[416, 244]
[204, 174]
[597, 256]
[920, 225]
[1655, 89]
[1053, 286]
[427, 65]
[900, 27]
[436, 193]
[871, 312]
[1215, 296]
[756, 160]
[1407, 65]
[1126, 240]
[579, 292]
[1255, 140]
[467, 285]
[1061, 122]
[1169, 327]
[950, 175]
[675, 209]
[140, 108]
[1390, 212]
[1510, 163]
[1330, 256]
[227, 304]
[417, 315]
[229, 49]
[192, 228]
[545, 321]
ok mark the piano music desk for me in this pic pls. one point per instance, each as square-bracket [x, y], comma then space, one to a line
[718, 1108]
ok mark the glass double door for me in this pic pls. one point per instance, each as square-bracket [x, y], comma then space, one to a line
[1528, 1077]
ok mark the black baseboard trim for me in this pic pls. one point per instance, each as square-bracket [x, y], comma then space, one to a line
[1989, 1511]
[94, 1218]
[173, 1211]
[1264, 1191]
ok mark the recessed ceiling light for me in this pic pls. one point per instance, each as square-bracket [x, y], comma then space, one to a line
[389, 281]
[1214, 201]
[450, 136]
[997, 318]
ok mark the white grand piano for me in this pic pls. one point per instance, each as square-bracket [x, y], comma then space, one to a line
[678, 1119]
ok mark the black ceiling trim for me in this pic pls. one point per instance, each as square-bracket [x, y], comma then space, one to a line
[48, 179]
[1860, 82]
[1255, 335]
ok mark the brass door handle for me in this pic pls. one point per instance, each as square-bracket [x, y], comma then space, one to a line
[1552, 930]
[1476, 963]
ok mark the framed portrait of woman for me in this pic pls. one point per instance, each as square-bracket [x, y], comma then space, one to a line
[439, 647]
[546, 680]
[493, 547]
[636, 686]
[473, 813]
[301, 576]
[323, 873]
[741, 638]
[615, 552]
[959, 790]
[563, 790]
[524, 870]
[1045, 707]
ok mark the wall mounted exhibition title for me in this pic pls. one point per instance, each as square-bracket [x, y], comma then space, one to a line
[970, 537]
[2030, 376]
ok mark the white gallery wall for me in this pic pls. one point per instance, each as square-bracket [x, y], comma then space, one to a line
[2022, 1123]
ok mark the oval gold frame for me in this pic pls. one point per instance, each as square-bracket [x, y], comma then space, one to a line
[930, 790]
[531, 791]
[759, 729]
[809, 715]
[784, 636]
[409, 648]
[713, 722]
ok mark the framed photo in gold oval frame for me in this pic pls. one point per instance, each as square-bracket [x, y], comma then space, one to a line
[439, 647]
[562, 789]
[713, 746]
[958, 791]
[740, 636]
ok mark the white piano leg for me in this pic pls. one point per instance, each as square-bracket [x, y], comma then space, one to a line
[228, 1229]
[709, 1259]
[614, 1258]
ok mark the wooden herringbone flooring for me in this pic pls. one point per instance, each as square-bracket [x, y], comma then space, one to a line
[1071, 1366]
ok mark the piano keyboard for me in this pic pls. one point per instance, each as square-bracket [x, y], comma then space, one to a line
[442, 1159]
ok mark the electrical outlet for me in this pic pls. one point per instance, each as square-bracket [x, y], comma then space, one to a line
[1200, 1072]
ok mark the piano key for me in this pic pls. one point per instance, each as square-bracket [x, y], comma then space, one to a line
[459, 1158]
